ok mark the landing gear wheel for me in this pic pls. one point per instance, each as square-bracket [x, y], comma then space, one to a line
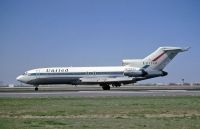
[105, 87]
[36, 88]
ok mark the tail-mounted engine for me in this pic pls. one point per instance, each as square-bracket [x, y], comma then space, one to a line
[144, 73]
[134, 72]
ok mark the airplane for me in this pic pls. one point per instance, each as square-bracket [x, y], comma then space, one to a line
[131, 71]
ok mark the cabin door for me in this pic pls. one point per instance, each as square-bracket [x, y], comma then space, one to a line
[37, 73]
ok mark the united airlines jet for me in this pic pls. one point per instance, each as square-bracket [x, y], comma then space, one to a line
[131, 71]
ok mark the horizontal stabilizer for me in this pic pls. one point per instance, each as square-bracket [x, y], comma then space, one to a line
[177, 49]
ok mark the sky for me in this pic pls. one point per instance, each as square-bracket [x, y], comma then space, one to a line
[46, 33]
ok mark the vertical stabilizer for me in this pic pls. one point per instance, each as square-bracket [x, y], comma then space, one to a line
[162, 56]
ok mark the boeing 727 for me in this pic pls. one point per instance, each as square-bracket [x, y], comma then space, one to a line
[131, 71]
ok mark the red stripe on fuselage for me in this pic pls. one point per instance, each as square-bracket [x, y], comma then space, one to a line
[155, 59]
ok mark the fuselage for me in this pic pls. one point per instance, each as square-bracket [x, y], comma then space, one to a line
[70, 75]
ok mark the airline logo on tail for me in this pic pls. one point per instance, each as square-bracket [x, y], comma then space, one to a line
[155, 59]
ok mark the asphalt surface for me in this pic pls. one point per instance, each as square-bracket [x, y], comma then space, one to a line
[62, 88]
[100, 93]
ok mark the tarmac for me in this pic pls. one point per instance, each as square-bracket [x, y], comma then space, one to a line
[88, 91]
[100, 93]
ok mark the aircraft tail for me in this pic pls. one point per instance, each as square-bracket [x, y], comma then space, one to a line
[162, 56]
[156, 60]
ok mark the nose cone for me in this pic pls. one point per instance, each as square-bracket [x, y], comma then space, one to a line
[20, 78]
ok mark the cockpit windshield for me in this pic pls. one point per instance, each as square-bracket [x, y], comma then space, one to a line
[25, 73]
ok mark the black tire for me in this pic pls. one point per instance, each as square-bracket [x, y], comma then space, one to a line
[106, 87]
[36, 88]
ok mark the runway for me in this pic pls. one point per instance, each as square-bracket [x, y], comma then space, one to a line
[100, 93]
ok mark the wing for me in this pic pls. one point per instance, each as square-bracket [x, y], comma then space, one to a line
[100, 80]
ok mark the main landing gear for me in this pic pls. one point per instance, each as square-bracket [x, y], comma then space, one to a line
[36, 88]
[105, 86]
